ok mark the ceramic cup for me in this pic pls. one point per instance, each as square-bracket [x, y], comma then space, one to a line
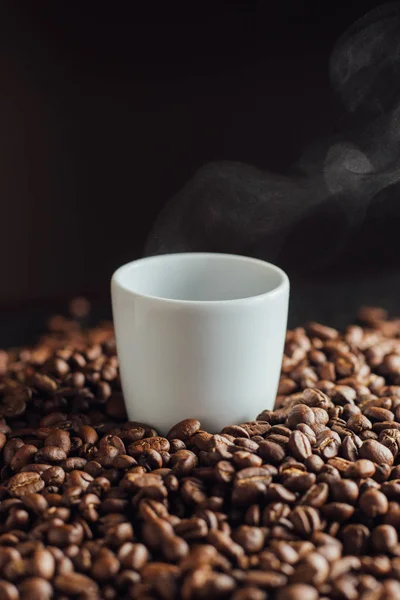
[199, 335]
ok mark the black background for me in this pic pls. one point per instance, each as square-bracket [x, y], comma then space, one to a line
[107, 109]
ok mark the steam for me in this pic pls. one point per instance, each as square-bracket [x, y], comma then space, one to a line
[307, 216]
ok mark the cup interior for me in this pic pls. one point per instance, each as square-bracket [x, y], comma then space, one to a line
[200, 277]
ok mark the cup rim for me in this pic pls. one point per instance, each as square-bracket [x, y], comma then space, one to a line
[117, 279]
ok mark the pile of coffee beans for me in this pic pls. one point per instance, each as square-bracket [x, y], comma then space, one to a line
[301, 504]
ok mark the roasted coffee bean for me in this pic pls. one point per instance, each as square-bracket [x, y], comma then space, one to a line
[35, 503]
[305, 520]
[50, 454]
[249, 593]
[373, 503]
[316, 496]
[133, 556]
[271, 452]
[338, 511]
[244, 459]
[300, 413]
[250, 538]
[10, 449]
[59, 438]
[384, 538]
[299, 445]
[35, 588]
[8, 591]
[152, 443]
[224, 471]
[183, 462]
[359, 423]
[298, 591]
[76, 584]
[265, 579]
[105, 565]
[25, 483]
[376, 452]
[345, 490]
[183, 430]
[354, 538]
[23, 456]
[65, 534]
[303, 503]
[361, 469]
[43, 564]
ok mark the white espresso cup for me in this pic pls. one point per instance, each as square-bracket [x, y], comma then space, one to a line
[199, 335]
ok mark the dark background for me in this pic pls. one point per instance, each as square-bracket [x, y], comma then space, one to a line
[107, 109]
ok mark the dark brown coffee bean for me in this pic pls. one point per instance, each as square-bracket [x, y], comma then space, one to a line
[316, 398]
[73, 462]
[321, 417]
[298, 591]
[54, 476]
[43, 564]
[191, 529]
[8, 591]
[384, 538]
[50, 454]
[76, 584]
[157, 443]
[300, 413]
[265, 579]
[224, 544]
[35, 588]
[65, 534]
[10, 449]
[183, 462]
[305, 520]
[373, 503]
[252, 475]
[133, 556]
[313, 569]
[355, 538]
[345, 490]
[36, 503]
[350, 448]
[12, 406]
[338, 511]
[59, 438]
[316, 496]
[322, 332]
[250, 538]
[314, 463]
[271, 452]
[298, 481]
[105, 566]
[299, 445]
[249, 593]
[244, 459]
[25, 483]
[376, 452]
[378, 413]
[361, 469]
[224, 471]
[359, 423]
[193, 492]
[184, 429]
[327, 444]
[23, 456]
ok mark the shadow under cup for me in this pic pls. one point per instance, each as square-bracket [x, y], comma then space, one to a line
[199, 335]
